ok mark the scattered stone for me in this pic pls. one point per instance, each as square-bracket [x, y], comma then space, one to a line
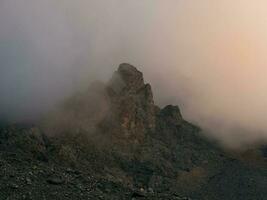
[13, 186]
[28, 181]
[71, 171]
[137, 194]
[150, 190]
[55, 181]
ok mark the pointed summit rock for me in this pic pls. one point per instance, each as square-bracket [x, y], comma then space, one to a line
[132, 78]
[127, 79]
[132, 101]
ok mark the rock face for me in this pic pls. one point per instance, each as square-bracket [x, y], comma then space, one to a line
[113, 142]
[132, 103]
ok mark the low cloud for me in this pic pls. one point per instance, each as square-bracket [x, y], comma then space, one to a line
[208, 57]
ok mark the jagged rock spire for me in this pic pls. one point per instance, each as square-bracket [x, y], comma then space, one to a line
[132, 101]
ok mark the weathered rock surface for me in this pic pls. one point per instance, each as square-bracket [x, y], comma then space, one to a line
[113, 142]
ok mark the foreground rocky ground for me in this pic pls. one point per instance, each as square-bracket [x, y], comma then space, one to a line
[112, 142]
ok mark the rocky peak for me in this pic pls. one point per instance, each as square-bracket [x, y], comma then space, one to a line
[127, 80]
[133, 149]
[132, 101]
[132, 78]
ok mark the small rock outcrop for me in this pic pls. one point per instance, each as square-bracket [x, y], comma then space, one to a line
[171, 115]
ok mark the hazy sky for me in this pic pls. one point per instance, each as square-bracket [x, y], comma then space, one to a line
[208, 56]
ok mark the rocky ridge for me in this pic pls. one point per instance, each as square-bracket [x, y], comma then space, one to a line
[113, 142]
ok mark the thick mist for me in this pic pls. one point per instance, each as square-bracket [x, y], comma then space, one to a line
[209, 57]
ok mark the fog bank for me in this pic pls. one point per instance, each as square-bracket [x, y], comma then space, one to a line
[207, 56]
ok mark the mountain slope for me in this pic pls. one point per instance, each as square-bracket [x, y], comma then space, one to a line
[113, 142]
